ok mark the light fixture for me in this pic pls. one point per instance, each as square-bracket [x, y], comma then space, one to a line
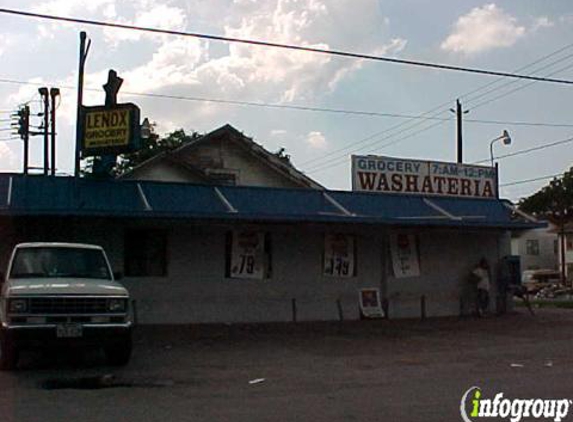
[506, 141]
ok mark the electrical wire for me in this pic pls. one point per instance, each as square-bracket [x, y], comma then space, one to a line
[336, 162]
[525, 151]
[261, 43]
[466, 97]
[520, 182]
[302, 107]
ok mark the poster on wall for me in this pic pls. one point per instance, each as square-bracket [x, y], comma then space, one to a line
[339, 255]
[405, 259]
[370, 303]
[248, 255]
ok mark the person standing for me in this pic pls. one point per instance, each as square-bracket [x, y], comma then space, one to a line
[480, 274]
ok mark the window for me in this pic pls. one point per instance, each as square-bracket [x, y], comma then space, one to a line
[145, 253]
[248, 255]
[55, 262]
[532, 247]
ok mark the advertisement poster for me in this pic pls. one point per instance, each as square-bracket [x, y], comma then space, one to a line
[248, 255]
[405, 259]
[415, 177]
[339, 255]
[370, 303]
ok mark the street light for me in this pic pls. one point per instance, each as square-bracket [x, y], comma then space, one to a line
[506, 141]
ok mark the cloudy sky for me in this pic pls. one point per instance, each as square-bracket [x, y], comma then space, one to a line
[528, 36]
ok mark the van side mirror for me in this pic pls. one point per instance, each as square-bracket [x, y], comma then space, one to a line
[117, 275]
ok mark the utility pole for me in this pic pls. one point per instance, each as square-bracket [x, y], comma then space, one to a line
[45, 97]
[459, 113]
[54, 92]
[82, 62]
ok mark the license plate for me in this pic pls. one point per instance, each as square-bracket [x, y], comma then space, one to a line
[69, 331]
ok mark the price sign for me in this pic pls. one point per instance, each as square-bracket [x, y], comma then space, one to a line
[339, 255]
[248, 255]
[405, 258]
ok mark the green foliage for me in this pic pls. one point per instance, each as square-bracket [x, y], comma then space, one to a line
[152, 146]
[554, 201]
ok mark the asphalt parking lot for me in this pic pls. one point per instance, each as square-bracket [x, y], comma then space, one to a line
[370, 370]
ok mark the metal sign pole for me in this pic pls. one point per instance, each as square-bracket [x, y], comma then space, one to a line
[83, 55]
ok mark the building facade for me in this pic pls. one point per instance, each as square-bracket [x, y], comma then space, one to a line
[538, 248]
[221, 231]
[183, 247]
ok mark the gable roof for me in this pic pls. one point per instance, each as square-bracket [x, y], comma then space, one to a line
[279, 164]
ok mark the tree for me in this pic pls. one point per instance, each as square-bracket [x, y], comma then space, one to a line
[96, 167]
[554, 202]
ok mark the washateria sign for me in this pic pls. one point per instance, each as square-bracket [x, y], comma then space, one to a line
[110, 130]
[396, 175]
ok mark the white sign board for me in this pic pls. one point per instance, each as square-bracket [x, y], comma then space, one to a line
[248, 258]
[370, 304]
[405, 260]
[339, 255]
[396, 175]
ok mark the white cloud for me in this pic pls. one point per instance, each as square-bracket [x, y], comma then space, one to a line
[157, 16]
[8, 159]
[483, 28]
[172, 64]
[316, 140]
[542, 22]
[287, 75]
[5, 42]
[67, 7]
[278, 132]
[182, 66]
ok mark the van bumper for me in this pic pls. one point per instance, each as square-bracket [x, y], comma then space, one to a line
[42, 336]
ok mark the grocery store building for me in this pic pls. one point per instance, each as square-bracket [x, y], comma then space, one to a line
[223, 231]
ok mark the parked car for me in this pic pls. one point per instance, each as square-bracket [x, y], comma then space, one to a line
[62, 294]
[535, 280]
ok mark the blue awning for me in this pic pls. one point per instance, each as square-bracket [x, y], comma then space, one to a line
[63, 196]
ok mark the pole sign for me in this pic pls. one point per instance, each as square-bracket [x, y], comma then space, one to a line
[415, 177]
[110, 130]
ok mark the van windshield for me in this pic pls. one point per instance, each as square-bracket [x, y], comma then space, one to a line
[52, 262]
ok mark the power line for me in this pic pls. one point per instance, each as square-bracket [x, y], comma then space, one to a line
[520, 182]
[510, 123]
[519, 88]
[336, 160]
[285, 46]
[322, 167]
[434, 111]
[300, 107]
[525, 151]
